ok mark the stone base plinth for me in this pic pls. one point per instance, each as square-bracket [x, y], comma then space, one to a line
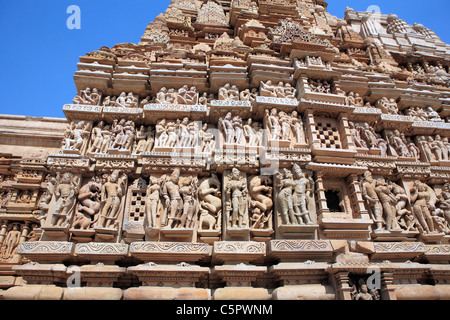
[165, 293]
[241, 293]
[304, 292]
[92, 294]
[34, 292]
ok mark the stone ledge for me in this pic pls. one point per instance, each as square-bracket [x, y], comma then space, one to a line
[301, 250]
[234, 252]
[170, 251]
[46, 251]
[101, 252]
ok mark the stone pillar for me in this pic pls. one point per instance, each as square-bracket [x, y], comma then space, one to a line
[387, 290]
[320, 195]
[342, 285]
[311, 128]
[25, 232]
[344, 131]
[356, 195]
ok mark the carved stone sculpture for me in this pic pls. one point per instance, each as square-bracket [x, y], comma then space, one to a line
[89, 204]
[261, 203]
[66, 192]
[388, 201]
[111, 197]
[88, 96]
[210, 197]
[422, 201]
[236, 193]
[122, 137]
[153, 202]
[76, 137]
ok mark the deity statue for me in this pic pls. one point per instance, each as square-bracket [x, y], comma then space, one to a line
[189, 192]
[272, 123]
[237, 191]
[112, 193]
[173, 201]
[423, 205]
[301, 194]
[226, 126]
[285, 188]
[152, 202]
[371, 196]
[65, 193]
[12, 241]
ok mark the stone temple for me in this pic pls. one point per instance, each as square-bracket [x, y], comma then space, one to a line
[244, 149]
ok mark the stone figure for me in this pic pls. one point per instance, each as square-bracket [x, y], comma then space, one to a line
[250, 134]
[88, 96]
[173, 201]
[302, 192]
[112, 193]
[208, 141]
[152, 202]
[369, 136]
[298, 128]
[285, 188]
[187, 96]
[189, 192]
[161, 133]
[238, 128]
[397, 141]
[425, 148]
[229, 93]
[89, 205]
[237, 191]
[320, 86]
[361, 292]
[210, 197]
[414, 151]
[144, 140]
[12, 241]
[387, 106]
[389, 202]
[65, 192]
[97, 137]
[356, 135]
[249, 95]
[126, 101]
[122, 136]
[272, 123]
[267, 89]
[423, 206]
[261, 203]
[6, 199]
[76, 137]
[228, 129]
[371, 196]
[444, 201]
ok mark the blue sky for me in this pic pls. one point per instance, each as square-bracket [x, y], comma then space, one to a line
[39, 53]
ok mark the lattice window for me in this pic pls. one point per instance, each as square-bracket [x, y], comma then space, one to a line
[136, 212]
[328, 134]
